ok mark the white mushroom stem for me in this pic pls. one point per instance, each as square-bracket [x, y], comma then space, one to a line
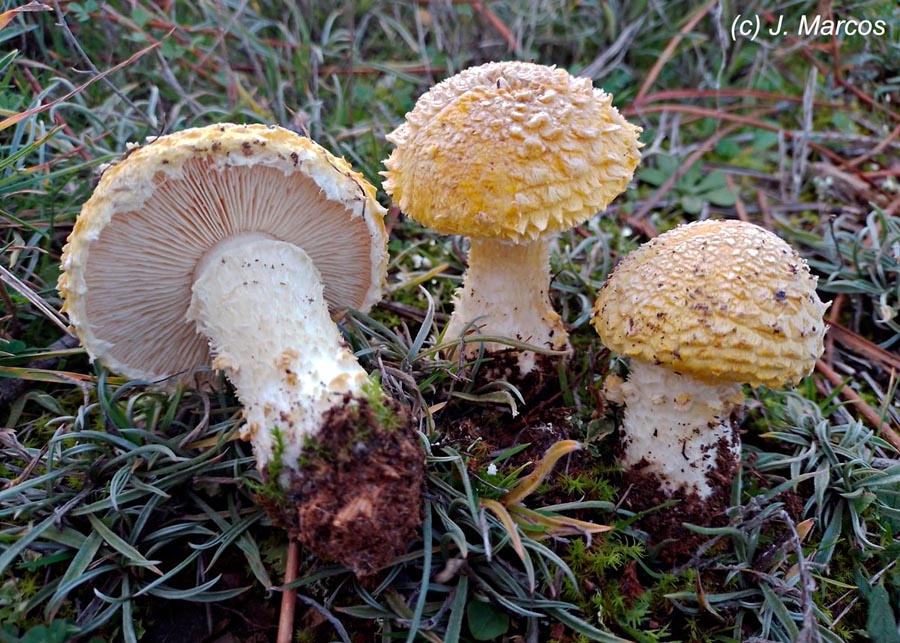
[675, 426]
[506, 292]
[260, 304]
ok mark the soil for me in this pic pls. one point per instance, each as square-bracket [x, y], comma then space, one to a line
[664, 526]
[540, 383]
[251, 617]
[358, 498]
[185, 622]
[487, 433]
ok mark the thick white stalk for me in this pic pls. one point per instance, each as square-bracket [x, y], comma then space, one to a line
[506, 292]
[260, 304]
[675, 426]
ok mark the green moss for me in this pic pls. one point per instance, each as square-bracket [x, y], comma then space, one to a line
[615, 592]
[271, 489]
[75, 482]
[587, 486]
[277, 464]
[5, 472]
[380, 412]
[14, 596]
[385, 416]
[313, 449]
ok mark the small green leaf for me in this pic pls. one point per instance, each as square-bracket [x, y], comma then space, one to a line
[485, 621]
[691, 179]
[667, 164]
[56, 632]
[842, 121]
[652, 176]
[141, 17]
[12, 347]
[727, 148]
[721, 197]
[692, 204]
[763, 140]
[715, 180]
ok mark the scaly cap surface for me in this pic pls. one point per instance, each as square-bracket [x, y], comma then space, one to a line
[718, 301]
[129, 263]
[512, 151]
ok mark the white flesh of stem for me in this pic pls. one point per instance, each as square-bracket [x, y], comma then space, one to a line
[260, 304]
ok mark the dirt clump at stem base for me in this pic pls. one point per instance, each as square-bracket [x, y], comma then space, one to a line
[541, 382]
[357, 499]
[665, 526]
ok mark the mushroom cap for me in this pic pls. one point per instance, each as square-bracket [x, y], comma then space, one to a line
[720, 301]
[511, 151]
[130, 261]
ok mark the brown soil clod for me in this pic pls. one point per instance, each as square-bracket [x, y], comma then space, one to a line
[358, 498]
[541, 382]
[665, 526]
[484, 432]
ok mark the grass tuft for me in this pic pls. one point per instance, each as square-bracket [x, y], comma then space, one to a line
[130, 514]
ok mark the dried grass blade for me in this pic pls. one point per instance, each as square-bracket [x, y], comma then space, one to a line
[508, 523]
[7, 16]
[531, 482]
[12, 120]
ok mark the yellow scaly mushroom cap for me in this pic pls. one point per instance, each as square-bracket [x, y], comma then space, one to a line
[512, 151]
[720, 301]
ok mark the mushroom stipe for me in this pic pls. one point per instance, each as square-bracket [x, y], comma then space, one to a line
[646, 491]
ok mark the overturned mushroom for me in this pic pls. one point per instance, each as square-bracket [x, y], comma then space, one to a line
[701, 310]
[226, 245]
[509, 154]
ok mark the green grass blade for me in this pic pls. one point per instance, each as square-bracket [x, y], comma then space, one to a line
[30, 535]
[74, 575]
[426, 576]
[133, 556]
[457, 611]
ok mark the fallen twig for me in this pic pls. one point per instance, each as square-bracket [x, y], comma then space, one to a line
[10, 389]
[494, 20]
[867, 412]
[669, 51]
[289, 595]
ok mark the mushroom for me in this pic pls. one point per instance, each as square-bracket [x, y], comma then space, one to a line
[510, 153]
[226, 245]
[701, 310]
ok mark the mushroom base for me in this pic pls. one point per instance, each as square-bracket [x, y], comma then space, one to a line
[357, 496]
[261, 304]
[675, 424]
[664, 527]
[506, 293]
[540, 382]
